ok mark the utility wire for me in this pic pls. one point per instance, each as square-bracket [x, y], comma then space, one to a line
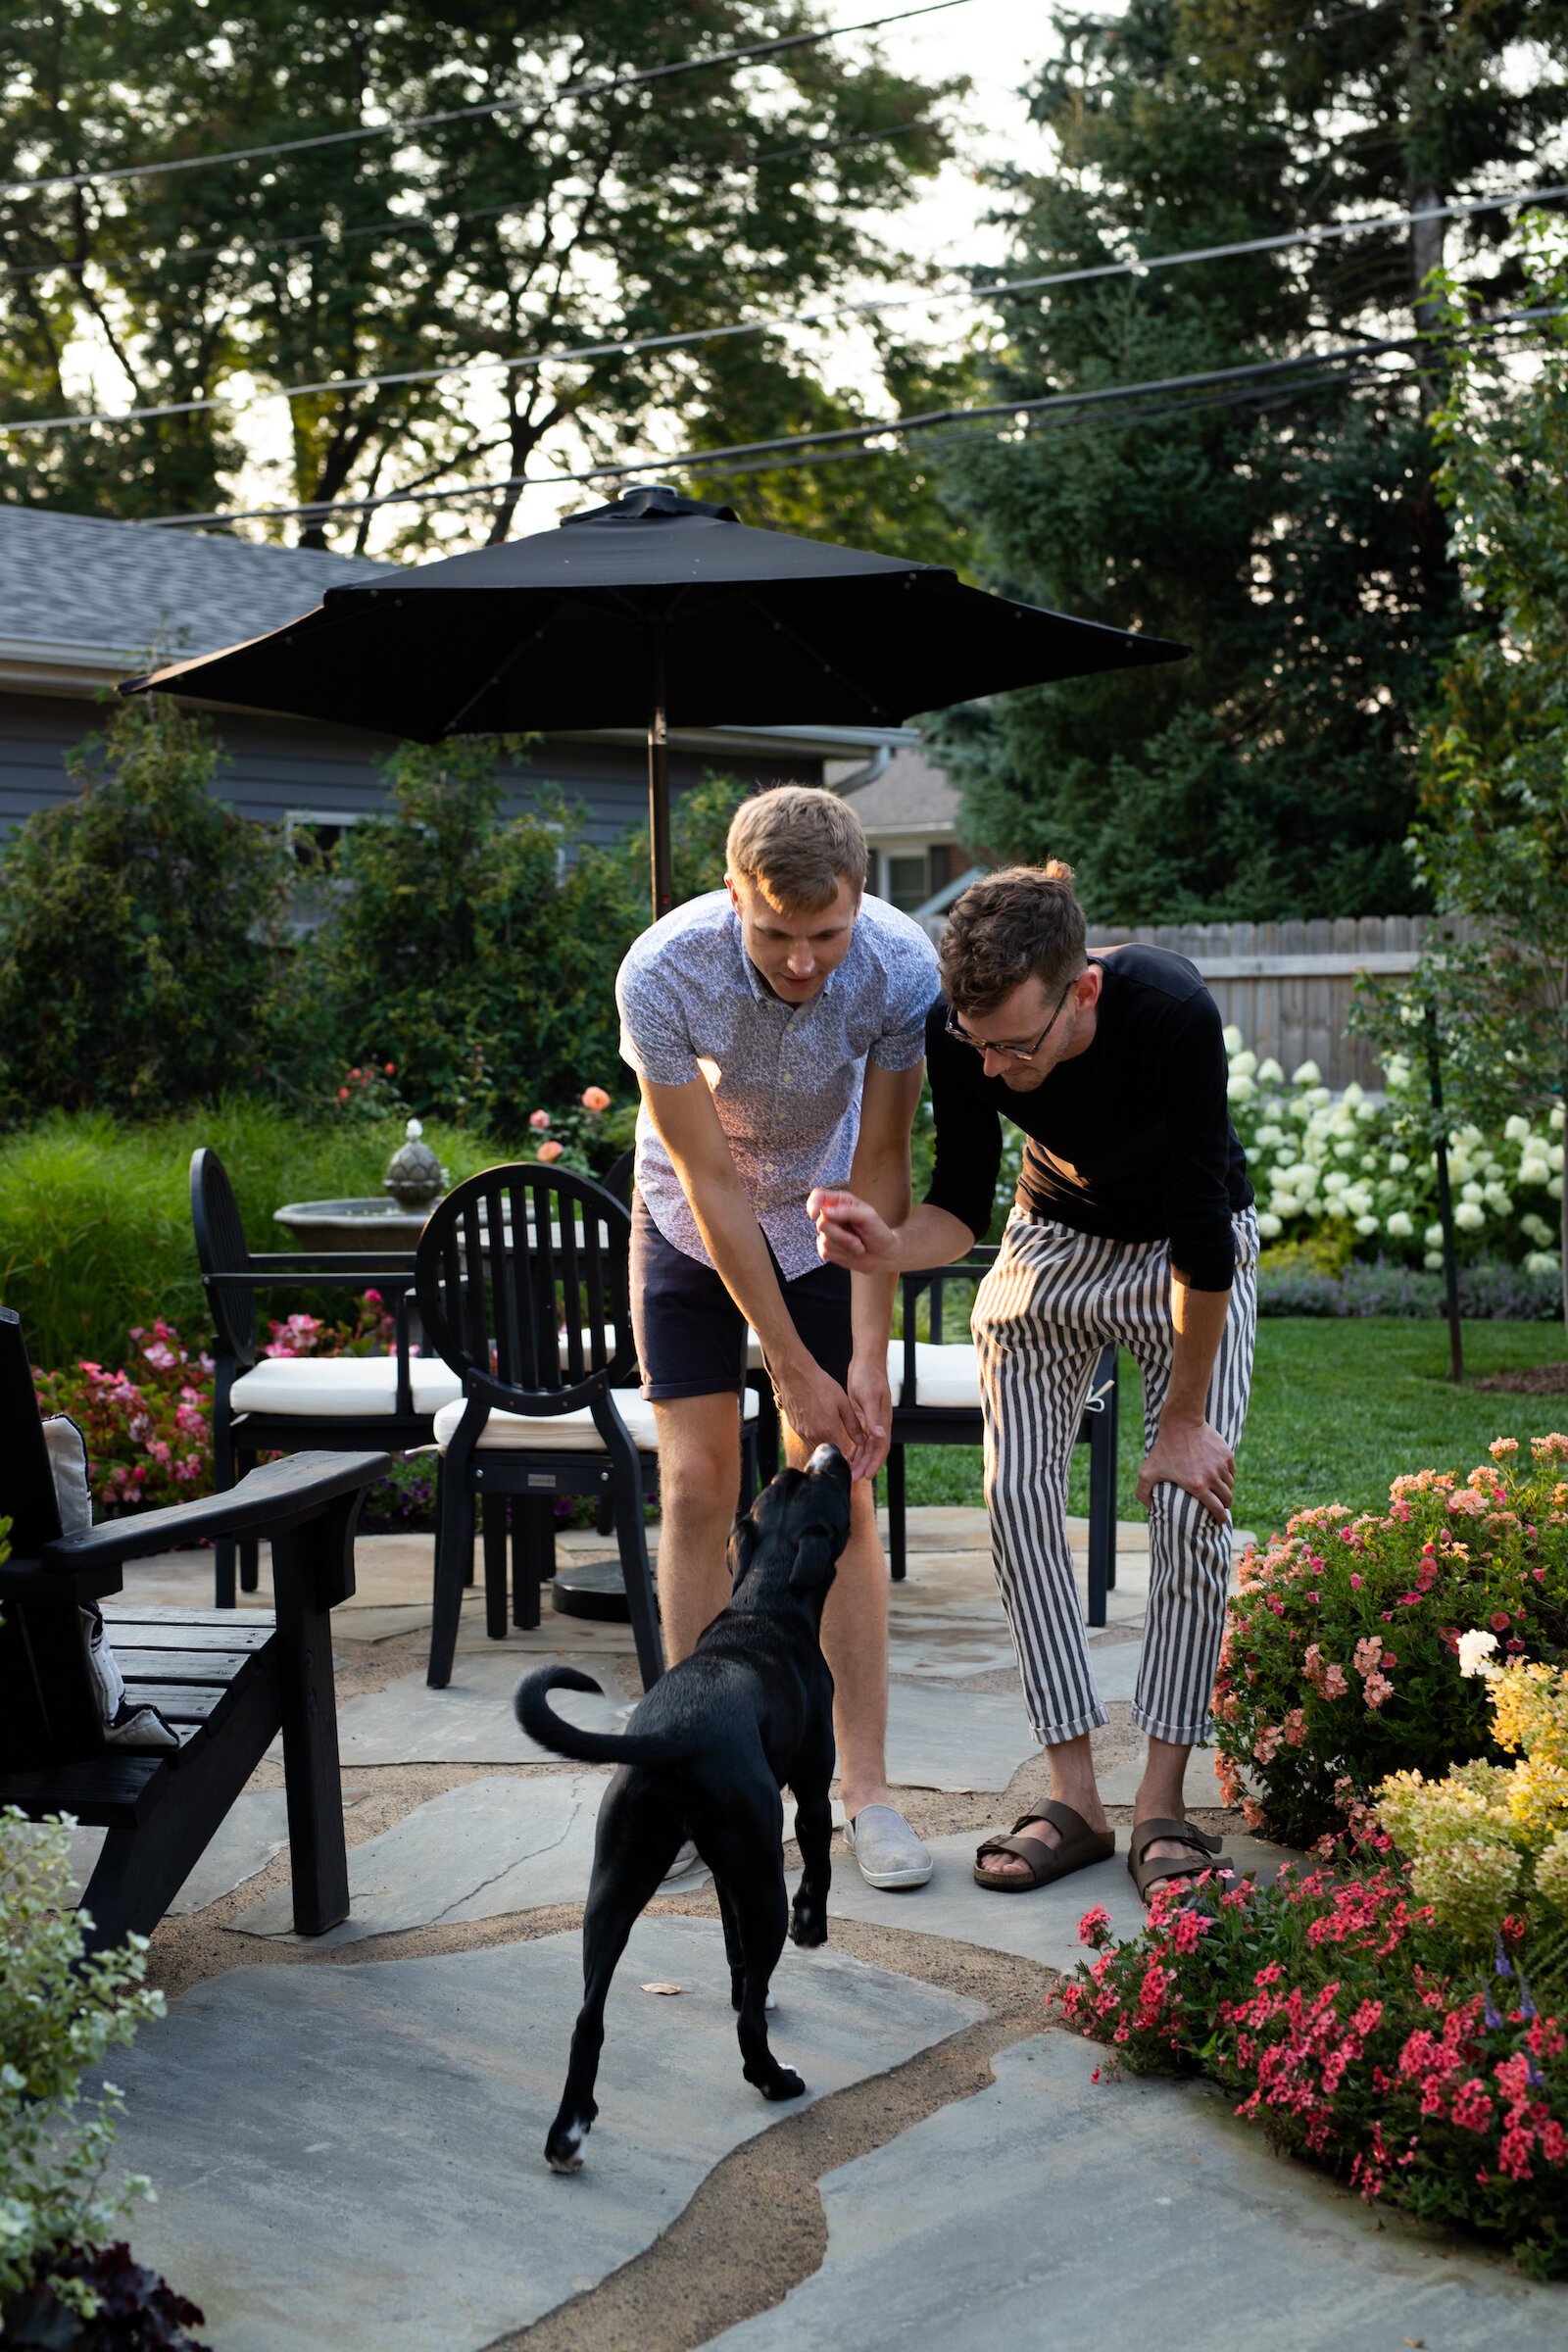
[629, 347]
[404, 223]
[469, 114]
[697, 460]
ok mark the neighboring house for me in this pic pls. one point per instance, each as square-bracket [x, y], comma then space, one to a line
[910, 814]
[85, 601]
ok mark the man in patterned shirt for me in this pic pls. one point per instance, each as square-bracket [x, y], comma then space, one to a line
[777, 1029]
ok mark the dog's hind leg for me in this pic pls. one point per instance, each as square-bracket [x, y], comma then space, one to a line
[734, 1948]
[632, 1849]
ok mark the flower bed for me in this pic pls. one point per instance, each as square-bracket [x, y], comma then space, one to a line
[1354, 2029]
[1340, 1664]
[1335, 1167]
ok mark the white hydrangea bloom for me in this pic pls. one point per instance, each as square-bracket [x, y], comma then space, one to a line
[1535, 1228]
[1270, 1226]
[1233, 1039]
[1542, 1262]
[1533, 1171]
[1554, 1159]
[1269, 1072]
[1243, 1063]
[1469, 1216]
[1268, 1135]
[1497, 1199]
[1476, 1649]
[1335, 1181]
[1472, 1192]
[1399, 1163]
[1402, 1225]
[1556, 1118]
[1284, 1206]
[1306, 1074]
[1433, 1237]
[1354, 1094]
[1516, 1130]
[1472, 1139]
[1240, 1087]
[1555, 1187]
[1366, 1226]
[1433, 1261]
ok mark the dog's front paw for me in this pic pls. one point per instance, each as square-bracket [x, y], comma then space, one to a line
[808, 1924]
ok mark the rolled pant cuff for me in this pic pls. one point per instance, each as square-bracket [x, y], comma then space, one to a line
[1177, 1734]
[1053, 1735]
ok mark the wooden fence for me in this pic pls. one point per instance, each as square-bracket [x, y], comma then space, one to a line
[1288, 986]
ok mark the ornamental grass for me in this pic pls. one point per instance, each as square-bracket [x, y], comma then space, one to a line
[1340, 1660]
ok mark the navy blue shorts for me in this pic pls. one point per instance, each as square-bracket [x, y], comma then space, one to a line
[691, 1335]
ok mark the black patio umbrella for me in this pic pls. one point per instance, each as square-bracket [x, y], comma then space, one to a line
[654, 607]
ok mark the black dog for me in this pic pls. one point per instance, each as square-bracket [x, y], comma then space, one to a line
[703, 1757]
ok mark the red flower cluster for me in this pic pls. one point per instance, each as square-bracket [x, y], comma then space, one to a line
[1357, 2033]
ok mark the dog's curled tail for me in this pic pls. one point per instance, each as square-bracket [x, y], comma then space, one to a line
[541, 1722]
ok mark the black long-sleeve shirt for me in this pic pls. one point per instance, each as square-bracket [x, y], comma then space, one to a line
[1130, 1139]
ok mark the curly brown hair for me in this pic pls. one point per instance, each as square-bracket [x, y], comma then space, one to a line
[1021, 922]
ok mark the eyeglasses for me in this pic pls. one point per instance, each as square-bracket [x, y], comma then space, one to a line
[982, 1045]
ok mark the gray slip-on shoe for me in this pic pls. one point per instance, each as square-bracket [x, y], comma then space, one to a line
[887, 1851]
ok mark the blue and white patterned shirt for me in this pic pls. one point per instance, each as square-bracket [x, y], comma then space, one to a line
[786, 1079]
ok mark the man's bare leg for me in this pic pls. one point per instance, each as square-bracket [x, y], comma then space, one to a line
[698, 1480]
[854, 1643]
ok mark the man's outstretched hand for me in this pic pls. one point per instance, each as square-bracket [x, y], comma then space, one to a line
[1195, 1457]
[849, 1232]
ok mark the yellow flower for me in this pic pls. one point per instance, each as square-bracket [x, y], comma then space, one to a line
[1551, 1872]
[1538, 1800]
[1529, 1710]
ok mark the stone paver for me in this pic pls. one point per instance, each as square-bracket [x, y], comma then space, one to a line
[953, 1738]
[1054, 2210]
[348, 2158]
[1040, 1923]
[255, 1829]
[470, 1721]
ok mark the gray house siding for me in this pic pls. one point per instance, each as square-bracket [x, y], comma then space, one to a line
[275, 768]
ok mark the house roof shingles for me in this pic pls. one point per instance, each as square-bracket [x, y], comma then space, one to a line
[85, 582]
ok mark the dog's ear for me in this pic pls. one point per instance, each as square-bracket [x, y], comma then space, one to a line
[815, 1559]
[741, 1546]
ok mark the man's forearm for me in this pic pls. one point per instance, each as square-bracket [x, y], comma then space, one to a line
[881, 1178]
[734, 1241]
[1200, 1320]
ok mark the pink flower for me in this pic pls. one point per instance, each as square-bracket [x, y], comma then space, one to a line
[1334, 1682]
[539, 1119]
[1356, 1581]
[595, 1098]
[1368, 1653]
[1376, 1688]
[551, 1149]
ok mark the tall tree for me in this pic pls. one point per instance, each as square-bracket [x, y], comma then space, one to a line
[1287, 529]
[497, 237]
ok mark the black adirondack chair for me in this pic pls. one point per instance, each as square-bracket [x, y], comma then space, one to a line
[281, 1404]
[229, 1682]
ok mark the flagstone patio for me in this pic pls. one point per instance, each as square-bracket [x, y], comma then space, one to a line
[347, 2133]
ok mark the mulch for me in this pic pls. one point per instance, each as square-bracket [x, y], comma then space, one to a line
[1535, 1380]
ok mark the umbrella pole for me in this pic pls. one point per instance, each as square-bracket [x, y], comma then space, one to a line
[663, 889]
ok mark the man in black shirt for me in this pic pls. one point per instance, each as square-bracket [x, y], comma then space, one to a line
[1133, 1222]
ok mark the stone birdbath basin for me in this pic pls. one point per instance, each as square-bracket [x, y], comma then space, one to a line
[373, 1223]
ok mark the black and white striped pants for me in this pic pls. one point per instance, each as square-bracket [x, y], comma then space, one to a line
[1049, 1303]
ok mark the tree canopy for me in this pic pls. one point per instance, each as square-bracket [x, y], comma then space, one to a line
[1287, 526]
[496, 237]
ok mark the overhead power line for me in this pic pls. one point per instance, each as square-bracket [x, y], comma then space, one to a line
[697, 460]
[631, 346]
[408, 223]
[401, 129]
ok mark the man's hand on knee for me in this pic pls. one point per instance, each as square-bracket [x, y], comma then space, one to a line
[1193, 1456]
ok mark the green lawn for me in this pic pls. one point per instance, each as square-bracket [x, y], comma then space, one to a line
[1339, 1408]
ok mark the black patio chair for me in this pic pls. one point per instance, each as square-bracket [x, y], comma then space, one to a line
[936, 1402]
[264, 1404]
[522, 1282]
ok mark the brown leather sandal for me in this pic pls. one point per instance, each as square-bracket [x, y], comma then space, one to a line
[1148, 1874]
[1080, 1846]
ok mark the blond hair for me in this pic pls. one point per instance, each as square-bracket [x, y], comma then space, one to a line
[796, 844]
[1022, 922]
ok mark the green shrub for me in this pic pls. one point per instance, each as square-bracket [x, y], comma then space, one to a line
[141, 929]
[1340, 1657]
[59, 2016]
[95, 1229]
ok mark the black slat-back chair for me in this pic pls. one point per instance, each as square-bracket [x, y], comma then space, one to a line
[281, 1403]
[936, 1402]
[522, 1281]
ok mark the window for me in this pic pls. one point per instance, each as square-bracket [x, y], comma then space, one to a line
[907, 884]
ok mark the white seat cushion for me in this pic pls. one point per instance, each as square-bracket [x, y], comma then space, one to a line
[341, 1387]
[947, 1376]
[563, 1433]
